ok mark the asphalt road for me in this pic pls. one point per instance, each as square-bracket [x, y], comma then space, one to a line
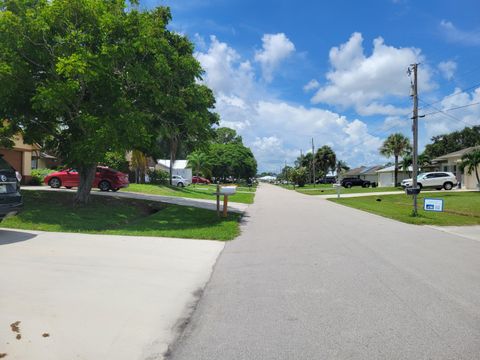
[311, 279]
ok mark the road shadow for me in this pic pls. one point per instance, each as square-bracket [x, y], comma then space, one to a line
[11, 236]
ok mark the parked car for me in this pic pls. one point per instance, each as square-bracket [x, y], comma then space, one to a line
[327, 180]
[200, 180]
[436, 179]
[349, 182]
[178, 180]
[10, 198]
[105, 179]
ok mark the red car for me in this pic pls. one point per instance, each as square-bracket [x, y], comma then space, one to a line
[200, 180]
[105, 179]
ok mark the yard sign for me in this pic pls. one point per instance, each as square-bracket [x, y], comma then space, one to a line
[433, 204]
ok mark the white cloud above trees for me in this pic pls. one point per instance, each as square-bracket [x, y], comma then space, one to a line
[275, 49]
[366, 83]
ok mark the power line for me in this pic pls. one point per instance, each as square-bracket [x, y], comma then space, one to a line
[456, 93]
[445, 113]
[453, 108]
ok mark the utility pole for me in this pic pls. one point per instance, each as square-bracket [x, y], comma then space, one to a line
[313, 162]
[415, 138]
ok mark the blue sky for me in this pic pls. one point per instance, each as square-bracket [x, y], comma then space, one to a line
[286, 71]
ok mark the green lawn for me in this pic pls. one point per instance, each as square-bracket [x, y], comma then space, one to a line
[53, 211]
[460, 208]
[197, 192]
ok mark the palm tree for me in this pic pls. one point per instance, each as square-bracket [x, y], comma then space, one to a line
[471, 162]
[196, 161]
[325, 159]
[341, 166]
[407, 161]
[396, 145]
[139, 164]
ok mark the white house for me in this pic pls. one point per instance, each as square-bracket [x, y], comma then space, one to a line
[451, 162]
[386, 177]
[179, 168]
[370, 173]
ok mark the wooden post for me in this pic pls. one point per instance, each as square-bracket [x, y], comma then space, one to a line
[225, 206]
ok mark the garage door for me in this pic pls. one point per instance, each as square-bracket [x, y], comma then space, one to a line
[13, 157]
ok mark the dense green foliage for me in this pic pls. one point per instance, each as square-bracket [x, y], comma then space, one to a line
[455, 141]
[38, 175]
[225, 157]
[91, 77]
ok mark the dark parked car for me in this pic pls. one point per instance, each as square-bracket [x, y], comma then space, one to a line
[327, 180]
[10, 198]
[349, 182]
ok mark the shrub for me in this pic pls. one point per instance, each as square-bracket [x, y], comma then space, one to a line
[158, 176]
[38, 175]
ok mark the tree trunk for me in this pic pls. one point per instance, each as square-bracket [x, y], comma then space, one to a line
[396, 171]
[86, 175]
[173, 153]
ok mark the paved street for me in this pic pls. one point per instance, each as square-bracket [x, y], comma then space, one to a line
[90, 297]
[310, 279]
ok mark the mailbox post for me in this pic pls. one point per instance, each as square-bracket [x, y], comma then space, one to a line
[337, 186]
[225, 191]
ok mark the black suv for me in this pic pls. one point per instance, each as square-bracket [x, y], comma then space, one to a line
[349, 182]
[10, 199]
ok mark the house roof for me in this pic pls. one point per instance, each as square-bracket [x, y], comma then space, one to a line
[372, 170]
[178, 164]
[392, 169]
[355, 171]
[455, 154]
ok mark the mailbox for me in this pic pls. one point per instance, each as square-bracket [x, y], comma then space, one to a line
[228, 190]
[412, 191]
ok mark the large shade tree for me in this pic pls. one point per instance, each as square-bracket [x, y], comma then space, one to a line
[325, 159]
[95, 76]
[396, 145]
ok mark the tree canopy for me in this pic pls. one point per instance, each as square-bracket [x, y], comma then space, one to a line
[455, 141]
[98, 76]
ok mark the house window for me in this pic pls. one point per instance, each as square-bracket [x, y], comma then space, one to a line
[34, 163]
[445, 168]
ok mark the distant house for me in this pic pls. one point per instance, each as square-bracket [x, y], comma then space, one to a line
[20, 157]
[451, 163]
[179, 168]
[370, 173]
[354, 172]
[386, 176]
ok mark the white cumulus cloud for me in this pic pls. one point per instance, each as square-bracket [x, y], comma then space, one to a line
[364, 82]
[458, 36]
[447, 68]
[275, 48]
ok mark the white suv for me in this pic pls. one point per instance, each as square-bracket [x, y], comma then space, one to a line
[177, 180]
[437, 180]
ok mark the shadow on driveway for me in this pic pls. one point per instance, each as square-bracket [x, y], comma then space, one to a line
[10, 237]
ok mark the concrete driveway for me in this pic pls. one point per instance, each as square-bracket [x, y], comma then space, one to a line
[76, 296]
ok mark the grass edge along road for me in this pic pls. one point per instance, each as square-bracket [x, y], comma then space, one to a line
[328, 189]
[460, 208]
[54, 211]
[206, 192]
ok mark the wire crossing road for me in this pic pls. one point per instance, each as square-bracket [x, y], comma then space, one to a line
[310, 279]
